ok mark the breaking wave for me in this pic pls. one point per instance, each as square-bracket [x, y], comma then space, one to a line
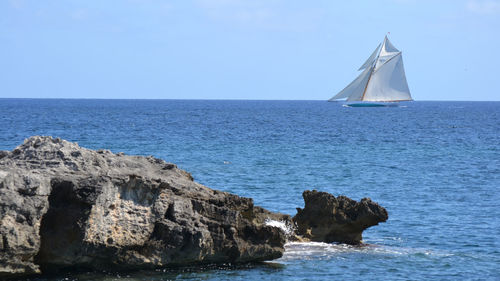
[283, 225]
[321, 251]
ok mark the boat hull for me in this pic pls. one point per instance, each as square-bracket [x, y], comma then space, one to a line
[372, 104]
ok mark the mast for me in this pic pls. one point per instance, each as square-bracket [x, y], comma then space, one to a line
[369, 78]
[373, 68]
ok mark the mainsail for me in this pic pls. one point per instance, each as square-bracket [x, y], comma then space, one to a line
[383, 78]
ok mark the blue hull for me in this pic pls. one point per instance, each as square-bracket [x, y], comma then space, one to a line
[369, 104]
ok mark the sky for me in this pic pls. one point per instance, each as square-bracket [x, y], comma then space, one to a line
[243, 49]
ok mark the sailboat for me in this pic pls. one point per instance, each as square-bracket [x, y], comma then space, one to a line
[382, 82]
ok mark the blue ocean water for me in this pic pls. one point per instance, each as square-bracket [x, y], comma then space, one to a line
[435, 166]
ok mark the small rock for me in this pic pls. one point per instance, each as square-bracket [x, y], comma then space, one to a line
[326, 218]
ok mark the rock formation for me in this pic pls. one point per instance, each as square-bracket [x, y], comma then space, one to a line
[63, 206]
[329, 219]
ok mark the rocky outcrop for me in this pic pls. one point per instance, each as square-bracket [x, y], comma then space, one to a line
[326, 218]
[63, 206]
[66, 206]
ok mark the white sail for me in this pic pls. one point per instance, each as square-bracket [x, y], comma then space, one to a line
[382, 80]
[354, 91]
[387, 52]
[371, 59]
[388, 82]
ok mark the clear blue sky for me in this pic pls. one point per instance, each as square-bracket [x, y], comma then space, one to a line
[254, 49]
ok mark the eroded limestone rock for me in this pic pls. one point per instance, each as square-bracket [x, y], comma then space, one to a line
[66, 206]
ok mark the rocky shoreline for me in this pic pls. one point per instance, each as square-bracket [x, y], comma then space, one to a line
[63, 206]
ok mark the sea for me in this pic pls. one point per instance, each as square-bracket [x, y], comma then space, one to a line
[434, 165]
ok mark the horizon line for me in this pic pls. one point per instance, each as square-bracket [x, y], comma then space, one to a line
[215, 99]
